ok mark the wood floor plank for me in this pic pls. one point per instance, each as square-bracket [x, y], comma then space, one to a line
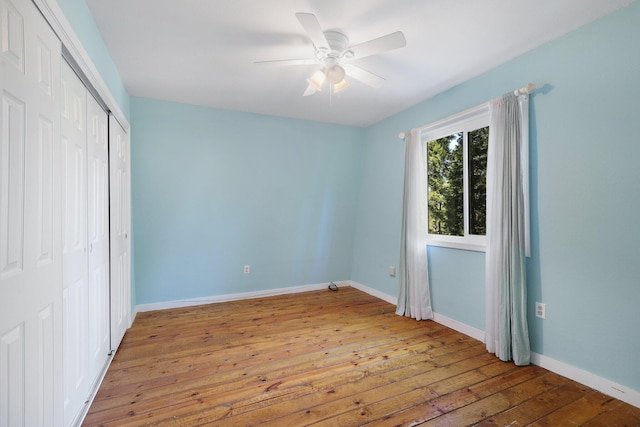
[332, 398]
[354, 366]
[538, 406]
[283, 365]
[326, 358]
[581, 411]
[622, 415]
[453, 397]
[479, 410]
[287, 368]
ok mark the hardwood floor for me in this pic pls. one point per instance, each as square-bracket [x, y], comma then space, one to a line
[328, 358]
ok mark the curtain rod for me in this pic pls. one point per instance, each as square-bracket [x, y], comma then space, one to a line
[525, 90]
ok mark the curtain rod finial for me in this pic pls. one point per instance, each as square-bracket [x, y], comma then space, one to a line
[526, 90]
[401, 135]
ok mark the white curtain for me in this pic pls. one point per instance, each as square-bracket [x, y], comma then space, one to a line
[413, 272]
[507, 332]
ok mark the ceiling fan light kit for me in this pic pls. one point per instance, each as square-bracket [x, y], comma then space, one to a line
[338, 87]
[316, 80]
[335, 74]
[332, 51]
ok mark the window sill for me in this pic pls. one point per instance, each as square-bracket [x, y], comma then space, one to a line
[467, 246]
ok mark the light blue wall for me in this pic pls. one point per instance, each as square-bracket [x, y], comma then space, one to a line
[215, 190]
[585, 182]
[78, 14]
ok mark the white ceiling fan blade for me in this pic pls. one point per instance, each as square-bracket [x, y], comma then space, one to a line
[311, 25]
[364, 76]
[308, 61]
[381, 44]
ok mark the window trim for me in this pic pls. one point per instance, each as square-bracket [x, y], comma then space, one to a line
[475, 117]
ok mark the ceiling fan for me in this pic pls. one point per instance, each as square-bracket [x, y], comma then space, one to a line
[332, 52]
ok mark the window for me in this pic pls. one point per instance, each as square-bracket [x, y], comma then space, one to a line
[456, 179]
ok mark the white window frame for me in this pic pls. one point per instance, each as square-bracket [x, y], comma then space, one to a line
[465, 121]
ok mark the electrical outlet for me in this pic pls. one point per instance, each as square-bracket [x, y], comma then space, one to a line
[541, 310]
[392, 271]
[247, 269]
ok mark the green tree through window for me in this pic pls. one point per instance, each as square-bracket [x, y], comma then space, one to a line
[445, 191]
[446, 182]
[478, 145]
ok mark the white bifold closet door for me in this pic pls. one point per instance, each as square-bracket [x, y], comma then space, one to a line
[30, 221]
[64, 293]
[30, 232]
[120, 231]
[85, 243]
[98, 235]
[75, 282]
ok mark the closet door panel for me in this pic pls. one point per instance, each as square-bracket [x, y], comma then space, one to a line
[98, 235]
[12, 181]
[75, 293]
[30, 231]
[120, 248]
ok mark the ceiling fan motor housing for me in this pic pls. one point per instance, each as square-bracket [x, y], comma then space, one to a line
[338, 43]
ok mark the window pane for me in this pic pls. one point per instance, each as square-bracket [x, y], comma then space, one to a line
[445, 169]
[478, 143]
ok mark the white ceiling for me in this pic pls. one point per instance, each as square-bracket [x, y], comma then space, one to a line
[202, 52]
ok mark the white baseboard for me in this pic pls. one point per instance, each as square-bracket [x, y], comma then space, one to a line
[459, 326]
[374, 292]
[234, 297]
[610, 388]
[603, 385]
